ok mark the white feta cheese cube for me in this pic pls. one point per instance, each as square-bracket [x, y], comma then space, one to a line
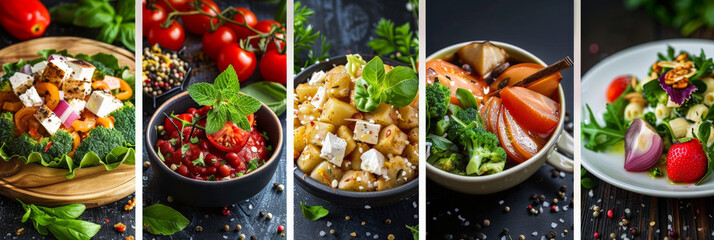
[317, 78]
[30, 98]
[77, 105]
[48, 119]
[81, 70]
[372, 161]
[319, 99]
[333, 149]
[56, 72]
[366, 132]
[102, 103]
[20, 82]
[76, 89]
[39, 67]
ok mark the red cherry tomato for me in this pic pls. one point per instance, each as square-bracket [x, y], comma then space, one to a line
[199, 23]
[617, 87]
[273, 67]
[214, 41]
[180, 5]
[223, 170]
[24, 19]
[263, 26]
[248, 18]
[170, 127]
[243, 61]
[171, 37]
[152, 15]
[230, 138]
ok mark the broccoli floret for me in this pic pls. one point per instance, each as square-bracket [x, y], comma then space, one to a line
[485, 156]
[437, 98]
[464, 119]
[468, 116]
[453, 163]
[61, 144]
[25, 144]
[124, 122]
[7, 127]
[100, 141]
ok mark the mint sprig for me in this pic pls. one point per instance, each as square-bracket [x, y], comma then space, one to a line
[227, 102]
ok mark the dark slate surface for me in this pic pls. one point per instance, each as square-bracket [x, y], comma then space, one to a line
[546, 30]
[349, 25]
[246, 213]
[11, 211]
[688, 218]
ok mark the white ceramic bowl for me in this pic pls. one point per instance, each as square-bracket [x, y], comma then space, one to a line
[517, 174]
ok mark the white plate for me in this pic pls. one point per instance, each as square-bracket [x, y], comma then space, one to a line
[608, 166]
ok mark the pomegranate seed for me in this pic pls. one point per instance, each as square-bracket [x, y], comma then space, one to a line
[609, 213]
[225, 211]
[530, 207]
[596, 235]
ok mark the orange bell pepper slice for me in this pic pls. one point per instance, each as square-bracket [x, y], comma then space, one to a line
[100, 85]
[105, 122]
[22, 117]
[126, 91]
[50, 92]
[12, 106]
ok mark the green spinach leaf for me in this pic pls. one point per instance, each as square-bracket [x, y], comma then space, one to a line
[160, 219]
[313, 212]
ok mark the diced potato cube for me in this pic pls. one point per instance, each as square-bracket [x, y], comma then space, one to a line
[399, 172]
[360, 181]
[317, 132]
[335, 111]
[299, 139]
[391, 140]
[407, 117]
[305, 91]
[345, 133]
[329, 171]
[384, 115]
[307, 113]
[309, 158]
[338, 82]
[411, 152]
[414, 135]
[354, 160]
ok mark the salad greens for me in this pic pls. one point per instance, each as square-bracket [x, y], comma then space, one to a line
[160, 219]
[598, 138]
[313, 212]
[117, 24]
[228, 104]
[398, 87]
[61, 222]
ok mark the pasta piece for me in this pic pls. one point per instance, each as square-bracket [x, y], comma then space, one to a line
[697, 112]
[679, 127]
[693, 128]
[709, 98]
[634, 111]
[662, 111]
[672, 104]
[710, 84]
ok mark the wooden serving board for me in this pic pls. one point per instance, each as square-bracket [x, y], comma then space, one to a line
[34, 183]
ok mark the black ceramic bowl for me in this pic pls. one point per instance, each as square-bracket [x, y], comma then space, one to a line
[341, 197]
[212, 193]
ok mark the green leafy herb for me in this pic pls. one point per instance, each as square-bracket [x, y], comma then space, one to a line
[587, 183]
[397, 43]
[269, 93]
[228, 104]
[194, 140]
[160, 219]
[599, 138]
[306, 51]
[414, 230]
[687, 16]
[212, 178]
[60, 221]
[466, 99]
[655, 172]
[117, 24]
[199, 161]
[313, 212]
[398, 87]
[253, 164]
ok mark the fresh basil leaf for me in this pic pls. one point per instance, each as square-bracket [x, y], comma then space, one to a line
[373, 72]
[269, 93]
[95, 16]
[160, 219]
[215, 120]
[363, 100]
[466, 98]
[108, 33]
[71, 229]
[126, 36]
[227, 82]
[401, 86]
[64, 13]
[125, 8]
[203, 93]
[313, 212]
[67, 211]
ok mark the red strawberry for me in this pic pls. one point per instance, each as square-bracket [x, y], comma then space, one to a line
[686, 162]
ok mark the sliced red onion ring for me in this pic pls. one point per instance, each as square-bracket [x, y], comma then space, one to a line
[66, 113]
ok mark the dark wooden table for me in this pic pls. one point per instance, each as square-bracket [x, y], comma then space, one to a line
[11, 211]
[546, 30]
[348, 26]
[245, 213]
[688, 218]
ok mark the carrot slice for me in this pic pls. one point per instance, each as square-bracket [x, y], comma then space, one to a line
[105, 122]
[12, 106]
[513, 155]
[483, 111]
[522, 141]
[494, 113]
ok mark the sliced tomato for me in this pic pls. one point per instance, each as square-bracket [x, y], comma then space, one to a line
[454, 77]
[533, 111]
[254, 148]
[507, 143]
[230, 138]
[170, 128]
[617, 87]
[522, 141]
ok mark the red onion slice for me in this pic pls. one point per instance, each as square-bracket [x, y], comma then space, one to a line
[643, 146]
[27, 69]
[57, 56]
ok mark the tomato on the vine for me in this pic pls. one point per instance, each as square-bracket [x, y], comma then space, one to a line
[230, 138]
[152, 15]
[171, 37]
[273, 66]
[214, 41]
[248, 18]
[199, 23]
[170, 128]
[180, 5]
[264, 27]
[243, 61]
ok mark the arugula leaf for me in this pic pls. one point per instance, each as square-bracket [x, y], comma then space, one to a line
[313, 212]
[599, 138]
[160, 219]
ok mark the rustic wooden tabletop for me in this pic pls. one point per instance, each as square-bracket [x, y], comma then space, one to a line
[653, 218]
